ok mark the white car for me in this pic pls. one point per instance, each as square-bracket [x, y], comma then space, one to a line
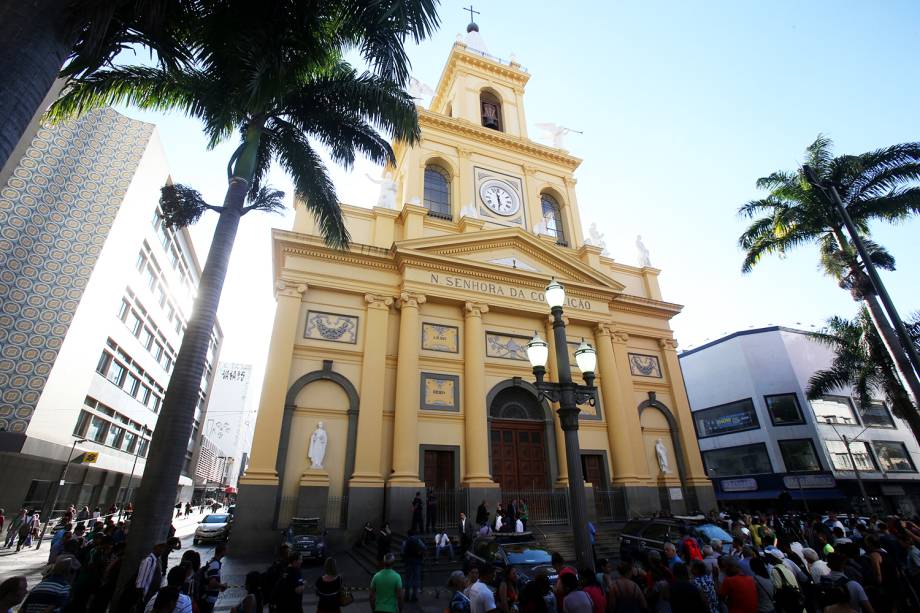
[214, 527]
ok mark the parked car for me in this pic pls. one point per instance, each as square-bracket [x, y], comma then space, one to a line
[213, 527]
[642, 535]
[518, 550]
[304, 536]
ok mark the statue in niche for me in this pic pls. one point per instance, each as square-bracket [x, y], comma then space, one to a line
[387, 198]
[644, 258]
[662, 454]
[317, 446]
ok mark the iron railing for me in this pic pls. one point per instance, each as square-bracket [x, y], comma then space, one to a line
[449, 503]
[544, 507]
[611, 505]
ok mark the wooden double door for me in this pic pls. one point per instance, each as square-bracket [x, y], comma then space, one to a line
[519, 454]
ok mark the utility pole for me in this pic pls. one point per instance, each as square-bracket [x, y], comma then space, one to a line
[57, 491]
[862, 488]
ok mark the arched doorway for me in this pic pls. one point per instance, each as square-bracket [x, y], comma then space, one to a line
[518, 439]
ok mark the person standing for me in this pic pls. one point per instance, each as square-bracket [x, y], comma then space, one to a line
[431, 511]
[212, 583]
[737, 590]
[12, 591]
[624, 594]
[417, 525]
[522, 512]
[465, 529]
[329, 589]
[53, 593]
[702, 579]
[386, 590]
[149, 575]
[507, 591]
[289, 593]
[482, 514]
[12, 531]
[413, 553]
[459, 602]
[175, 578]
[481, 598]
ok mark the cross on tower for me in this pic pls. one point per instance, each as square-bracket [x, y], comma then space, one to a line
[470, 9]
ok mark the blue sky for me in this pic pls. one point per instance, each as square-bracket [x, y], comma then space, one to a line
[683, 106]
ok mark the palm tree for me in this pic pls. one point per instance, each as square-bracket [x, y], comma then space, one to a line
[874, 186]
[862, 362]
[272, 74]
[38, 37]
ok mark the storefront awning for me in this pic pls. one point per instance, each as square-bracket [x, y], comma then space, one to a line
[816, 494]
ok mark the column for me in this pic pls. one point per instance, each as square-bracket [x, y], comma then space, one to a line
[405, 425]
[370, 413]
[552, 374]
[258, 488]
[617, 404]
[681, 409]
[274, 389]
[467, 187]
[475, 417]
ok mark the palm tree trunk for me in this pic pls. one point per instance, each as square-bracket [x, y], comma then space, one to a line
[896, 351]
[35, 40]
[157, 493]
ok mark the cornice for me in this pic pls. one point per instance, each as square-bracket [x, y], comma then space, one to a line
[636, 304]
[482, 134]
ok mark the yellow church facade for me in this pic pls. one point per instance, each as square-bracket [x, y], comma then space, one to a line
[407, 351]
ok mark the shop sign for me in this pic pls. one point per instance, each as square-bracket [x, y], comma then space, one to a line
[676, 493]
[738, 485]
[806, 482]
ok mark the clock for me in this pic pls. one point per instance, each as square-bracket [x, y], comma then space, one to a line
[499, 197]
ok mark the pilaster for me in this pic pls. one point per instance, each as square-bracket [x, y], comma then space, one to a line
[619, 434]
[262, 470]
[413, 220]
[405, 426]
[475, 419]
[628, 436]
[675, 377]
[384, 227]
[373, 371]
[467, 191]
[650, 280]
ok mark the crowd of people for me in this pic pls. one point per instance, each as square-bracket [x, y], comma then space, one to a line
[782, 564]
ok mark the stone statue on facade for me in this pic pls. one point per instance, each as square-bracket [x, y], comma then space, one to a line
[662, 454]
[644, 259]
[469, 210]
[387, 198]
[317, 446]
[596, 238]
[542, 228]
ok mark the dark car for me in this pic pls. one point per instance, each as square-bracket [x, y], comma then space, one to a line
[640, 536]
[517, 550]
[213, 527]
[304, 536]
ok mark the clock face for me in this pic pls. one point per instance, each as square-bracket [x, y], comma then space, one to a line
[499, 197]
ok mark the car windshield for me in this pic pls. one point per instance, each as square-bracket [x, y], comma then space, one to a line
[214, 519]
[522, 554]
[304, 530]
[712, 531]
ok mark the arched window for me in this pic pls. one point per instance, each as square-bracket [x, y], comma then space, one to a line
[552, 214]
[490, 108]
[437, 192]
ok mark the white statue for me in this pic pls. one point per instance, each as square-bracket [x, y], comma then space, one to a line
[419, 90]
[644, 259]
[662, 454]
[469, 210]
[387, 185]
[596, 238]
[557, 133]
[317, 446]
[542, 228]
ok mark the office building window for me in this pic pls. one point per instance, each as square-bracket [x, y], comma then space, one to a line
[129, 442]
[734, 461]
[841, 459]
[784, 409]
[876, 415]
[96, 430]
[102, 367]
[142, 448]
[893, 457]
[113, 437]
[799, 455]
[116, 373]
[133, 385]
[834, 410]
[732, 417]
[146, 338]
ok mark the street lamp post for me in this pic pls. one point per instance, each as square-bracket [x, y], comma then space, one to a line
[57, 491]
[569, 395]
[124, 499]
[862, 488]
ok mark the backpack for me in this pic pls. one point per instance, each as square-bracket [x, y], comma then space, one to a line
[788, 597]
[831, 591]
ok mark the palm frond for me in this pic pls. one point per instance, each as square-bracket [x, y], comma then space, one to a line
[818, 154]
[266, 199]
[182, 206]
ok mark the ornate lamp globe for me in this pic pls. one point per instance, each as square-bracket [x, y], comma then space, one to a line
[555, 294]
[537, 351]
[586, 358]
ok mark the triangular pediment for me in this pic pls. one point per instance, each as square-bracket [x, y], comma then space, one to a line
[509, 249]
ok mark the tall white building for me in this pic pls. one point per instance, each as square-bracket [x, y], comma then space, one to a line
[227, 432]
[760, 436]
[95, 297]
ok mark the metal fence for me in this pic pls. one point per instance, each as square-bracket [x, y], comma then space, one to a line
[611, 505]
[544, 507]
[449, 503]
